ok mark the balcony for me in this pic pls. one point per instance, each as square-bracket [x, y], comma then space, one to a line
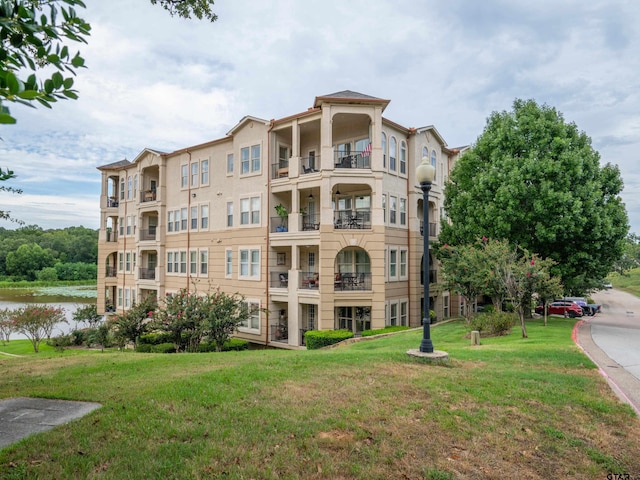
[432, 229]
[112, 202]
[112, 236]
[352, 160]
[279, 224]
[279, 279]
[309, 280]
[146, 273]
[348, 219]
[279, 333]
[148, 196]
[280, 169]
[308, 165]
[310, 222]
[148, 234]
[111, 272]
[433, 277]
[352, 281]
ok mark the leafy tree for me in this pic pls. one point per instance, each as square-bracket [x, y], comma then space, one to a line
[224, 313]
[36, 322]
[548, 289]
[535, 180]
[183, 318]
[6, 175]
[461, 272]
[630, 255]
[36, 64]
[134, 322]
[7, 325]
[27, 260]
[89, 314]
[186, 8]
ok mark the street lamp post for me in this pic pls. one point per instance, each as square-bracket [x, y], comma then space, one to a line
[425, 174]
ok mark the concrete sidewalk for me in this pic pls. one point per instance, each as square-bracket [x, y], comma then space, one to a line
[22, 416]
[625, 385]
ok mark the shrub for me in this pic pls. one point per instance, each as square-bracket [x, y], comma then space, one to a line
[155, 338]
[315, 339]
[493, 323]
[61, 342]
[164, 348]
[234, 344]
[144, 348]
[389, 329]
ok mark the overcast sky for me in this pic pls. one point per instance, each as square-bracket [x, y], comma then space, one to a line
[167, 83]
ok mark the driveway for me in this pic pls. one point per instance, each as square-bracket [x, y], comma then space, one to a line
[612, 340]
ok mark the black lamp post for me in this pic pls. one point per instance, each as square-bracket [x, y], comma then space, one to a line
[425, 174]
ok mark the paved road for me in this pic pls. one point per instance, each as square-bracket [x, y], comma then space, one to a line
[612, 340]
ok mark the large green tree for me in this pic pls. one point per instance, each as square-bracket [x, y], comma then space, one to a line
[36, 63]
[535, 180]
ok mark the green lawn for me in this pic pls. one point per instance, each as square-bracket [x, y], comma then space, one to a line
[509, 408]
[630, 282]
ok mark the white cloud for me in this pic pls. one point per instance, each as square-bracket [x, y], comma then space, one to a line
[166, 83]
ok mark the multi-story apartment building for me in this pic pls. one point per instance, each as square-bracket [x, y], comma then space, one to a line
[345, 251]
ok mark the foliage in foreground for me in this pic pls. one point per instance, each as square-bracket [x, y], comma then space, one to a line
[510, 408]
[323, 338]
[36, 322]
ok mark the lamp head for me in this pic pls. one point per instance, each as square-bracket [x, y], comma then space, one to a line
[425, 172]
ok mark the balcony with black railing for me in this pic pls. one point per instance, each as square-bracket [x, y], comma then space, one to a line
[147, 273]
[309, 165]
[310, 222]
[361, 160]
[111, 272]
[279, 279]
[352, 281]
[147, 234]
[433, 228]
[352, 219]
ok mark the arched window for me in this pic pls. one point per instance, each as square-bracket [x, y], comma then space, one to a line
[433, 162]
[384, 150]
[425, 152]
[393, 152]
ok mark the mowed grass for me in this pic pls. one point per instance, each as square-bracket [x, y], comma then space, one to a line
[630, 282]
[533, 408]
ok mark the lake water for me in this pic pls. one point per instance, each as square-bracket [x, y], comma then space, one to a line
[68, 298]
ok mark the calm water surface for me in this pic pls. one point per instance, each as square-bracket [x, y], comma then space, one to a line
[68, 298]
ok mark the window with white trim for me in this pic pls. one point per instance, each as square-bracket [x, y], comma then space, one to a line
[249, 263]
[445, 306]
[404, 313]
[393, 313]
[228, 263]
[184, 176]
[230, 163]
[229, 214]
[253, 322]
[120, 296]
[120, 261]
[204, 217]
[194, 218]
[129, 187]
[170, 221]
[255, 158]
[127, 298]
[393, 264]
[384, 208]
[250, 159]
[169, 262]
[403, 211]
[135, 185]
[403, 263]
[403, 157]
[384, 150]
[250, 211]
[122, 188]
[204, 262]
[434, 160]
[183, 261]
[193, 262]
[195, 173]
[393, 208]
[127, 262]
[185, 219]
[204, 172]
[393, 151]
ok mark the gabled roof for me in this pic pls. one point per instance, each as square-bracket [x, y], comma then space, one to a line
[435, 132]
[348, 96]
[243, 121]
[119, 165]
[145, 151]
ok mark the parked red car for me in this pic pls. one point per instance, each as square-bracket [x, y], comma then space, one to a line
[561, 307]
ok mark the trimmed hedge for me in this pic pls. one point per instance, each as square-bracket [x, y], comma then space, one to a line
[315, 339]
[233, 344]
[389, 329]
[155, 338]
[159, 348]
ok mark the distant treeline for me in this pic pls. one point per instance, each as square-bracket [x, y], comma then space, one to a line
[31, 253]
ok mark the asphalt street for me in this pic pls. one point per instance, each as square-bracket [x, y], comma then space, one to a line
[612, 340]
